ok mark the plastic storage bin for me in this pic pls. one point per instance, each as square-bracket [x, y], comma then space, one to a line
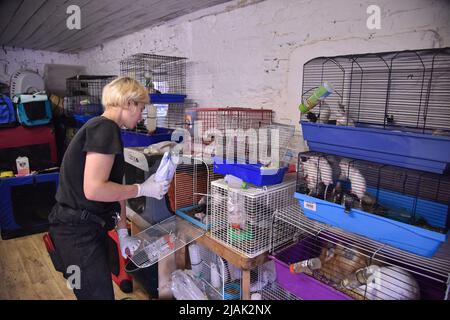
[404, 149]
[394, 233]
[136, 139]
[250, 173]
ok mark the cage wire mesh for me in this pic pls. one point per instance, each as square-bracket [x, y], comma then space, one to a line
[407, 90]
[190, 190]
[240, 218]
[210, 127]
[415, 197]
[84, 94]
[221, 280]
[158, 73]
[354, 265]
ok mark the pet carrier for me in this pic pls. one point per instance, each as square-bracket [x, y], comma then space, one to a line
[240, 218]
[163, 76]
[218, 278]
[352, 266]
[190, 191]
[84, 94]
[401, 207]
[392, 108]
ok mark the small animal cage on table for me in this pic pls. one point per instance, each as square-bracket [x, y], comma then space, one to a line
[401, 207]
[163, 76]
[392, 108]
[84, 95]
[190, 191]
[352, 266]
[240, 218]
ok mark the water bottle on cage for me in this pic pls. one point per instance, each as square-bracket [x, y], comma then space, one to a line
[359, 277]
[305, 266]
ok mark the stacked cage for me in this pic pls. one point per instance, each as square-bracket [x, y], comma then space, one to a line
[164, 77]
[211, 126]
[392, 108]
[190, 190]
[218, 278]
[350, 266]
[84, 95]
[240, 218]
[397, 206]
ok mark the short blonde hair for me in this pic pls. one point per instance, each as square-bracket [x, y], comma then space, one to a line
[118, 92]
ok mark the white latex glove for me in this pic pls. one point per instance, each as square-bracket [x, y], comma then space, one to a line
[127, 242]
[151, 188]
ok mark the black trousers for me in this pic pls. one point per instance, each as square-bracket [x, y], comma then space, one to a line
[83, 246]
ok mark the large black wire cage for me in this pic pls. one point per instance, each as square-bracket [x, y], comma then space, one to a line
[84, 94]
[407, 90]
[159, 74]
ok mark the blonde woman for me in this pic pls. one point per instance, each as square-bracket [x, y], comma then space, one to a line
[91, 196]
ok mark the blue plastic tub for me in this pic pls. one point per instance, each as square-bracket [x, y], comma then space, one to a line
[394, 233]
[135, 139]
[82, 119]
[250, 173]
[182, 213]
[167, 98]
[404, 149]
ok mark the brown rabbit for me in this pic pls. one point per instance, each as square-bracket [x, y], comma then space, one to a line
[340, 261]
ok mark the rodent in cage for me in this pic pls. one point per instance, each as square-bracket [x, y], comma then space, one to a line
[338, 262]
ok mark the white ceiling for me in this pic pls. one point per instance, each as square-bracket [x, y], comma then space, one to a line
[41, 24]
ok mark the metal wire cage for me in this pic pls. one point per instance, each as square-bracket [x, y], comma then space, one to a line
[220, 279]
[413, 197]
[159, 74]
[240, 218]
[84, 94]
[352, 266]
[205, 124]
[190, 190]
[407, 90]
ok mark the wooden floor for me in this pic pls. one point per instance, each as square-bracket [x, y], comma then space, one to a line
[26, 272]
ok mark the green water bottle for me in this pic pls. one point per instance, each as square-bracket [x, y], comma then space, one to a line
[318, 95]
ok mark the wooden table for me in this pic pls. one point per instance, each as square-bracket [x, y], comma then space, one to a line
[236, 258]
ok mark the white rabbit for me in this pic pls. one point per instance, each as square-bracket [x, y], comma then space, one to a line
[391, 283]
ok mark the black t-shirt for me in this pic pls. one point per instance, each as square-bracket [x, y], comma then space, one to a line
[100, 135]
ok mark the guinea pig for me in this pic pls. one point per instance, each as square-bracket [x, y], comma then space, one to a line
[338, 262]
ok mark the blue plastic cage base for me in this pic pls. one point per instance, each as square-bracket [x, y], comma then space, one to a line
[405, 149]
[136, 139]
[183, 214]
[404, 236]
[250, 173]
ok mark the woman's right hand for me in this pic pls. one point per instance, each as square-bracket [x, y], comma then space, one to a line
[151, 188]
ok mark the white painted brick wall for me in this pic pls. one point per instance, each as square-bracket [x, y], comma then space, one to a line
[252, 56]
[13, 59]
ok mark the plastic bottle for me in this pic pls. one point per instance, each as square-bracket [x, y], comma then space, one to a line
[359, 277]
[305, 265]
[166, 168]
[318, 95]
[160, 247]
[196, 260]
[236, 210]
[235, 182]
